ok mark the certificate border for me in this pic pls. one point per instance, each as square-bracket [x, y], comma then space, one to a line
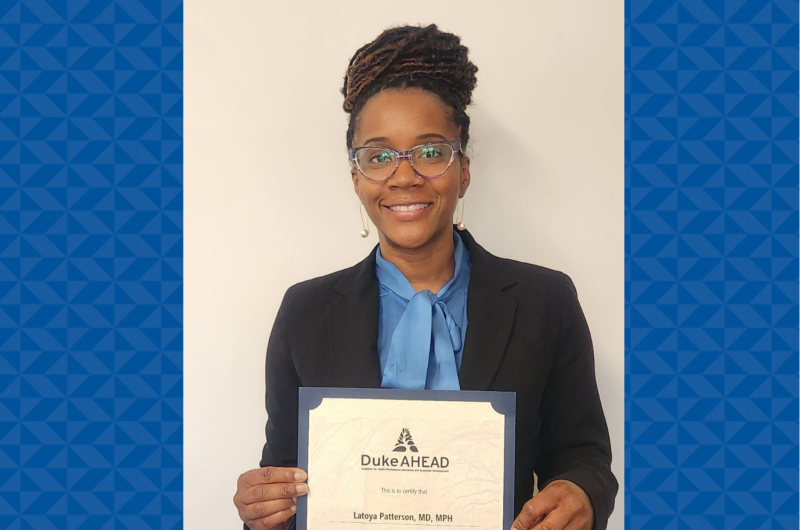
[504, 403]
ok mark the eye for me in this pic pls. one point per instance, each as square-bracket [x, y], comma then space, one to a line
[382, 157]
[431, 151]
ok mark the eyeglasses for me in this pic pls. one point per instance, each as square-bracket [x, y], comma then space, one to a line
[427, 160]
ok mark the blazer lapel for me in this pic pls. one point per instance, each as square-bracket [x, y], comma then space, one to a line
[490, 313]
[353, 328]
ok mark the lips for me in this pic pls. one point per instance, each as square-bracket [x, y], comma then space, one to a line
[407, 211]
[409, 207]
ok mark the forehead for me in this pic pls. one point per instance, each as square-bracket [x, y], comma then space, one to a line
[403, 114]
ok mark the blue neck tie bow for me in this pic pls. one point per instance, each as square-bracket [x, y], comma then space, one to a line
[422, 350]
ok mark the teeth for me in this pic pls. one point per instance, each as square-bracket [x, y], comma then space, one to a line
[407, 208]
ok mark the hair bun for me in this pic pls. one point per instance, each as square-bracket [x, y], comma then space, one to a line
[411, 56]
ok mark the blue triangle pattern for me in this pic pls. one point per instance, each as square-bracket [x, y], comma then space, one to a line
[91, 296]
[711, 337]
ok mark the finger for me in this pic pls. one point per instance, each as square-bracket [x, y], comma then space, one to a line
[273, 475]
[534, 511]
[579, 520]
[260, 510]
[271, 492]
[578, 524]
[522, 523]
[555, 520]
[573, 502]
[268, 522]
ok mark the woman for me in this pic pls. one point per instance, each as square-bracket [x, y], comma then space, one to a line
[431, 300]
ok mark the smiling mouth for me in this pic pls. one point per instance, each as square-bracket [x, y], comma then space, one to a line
[408, 207]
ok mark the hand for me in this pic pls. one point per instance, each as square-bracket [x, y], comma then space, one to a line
[267, 498]
[562, 505]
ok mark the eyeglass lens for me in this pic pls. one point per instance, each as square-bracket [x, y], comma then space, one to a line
[429, 160]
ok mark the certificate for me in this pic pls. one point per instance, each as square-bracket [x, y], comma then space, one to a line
[406, 459]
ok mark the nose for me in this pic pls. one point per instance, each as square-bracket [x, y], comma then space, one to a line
[405, 176]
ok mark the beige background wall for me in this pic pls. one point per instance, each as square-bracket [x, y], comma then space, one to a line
[262, 83]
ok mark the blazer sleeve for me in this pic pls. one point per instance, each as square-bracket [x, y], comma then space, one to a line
[575, 441]
[281, 397]
[283, 383]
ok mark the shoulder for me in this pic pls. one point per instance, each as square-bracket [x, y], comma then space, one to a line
[313, 291]
[530, 272]
[316, 294]
[529, 277]
[315, 287]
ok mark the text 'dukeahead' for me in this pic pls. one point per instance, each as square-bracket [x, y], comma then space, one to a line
[409, 462]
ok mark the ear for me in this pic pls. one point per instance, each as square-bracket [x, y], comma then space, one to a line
[354, 176]
[464, 176]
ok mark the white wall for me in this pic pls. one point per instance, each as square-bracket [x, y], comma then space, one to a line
[262, 82]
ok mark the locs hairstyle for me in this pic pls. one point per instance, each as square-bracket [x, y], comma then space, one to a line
[411, 56]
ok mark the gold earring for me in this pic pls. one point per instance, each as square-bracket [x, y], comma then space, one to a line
[364, 225]
[460, 224]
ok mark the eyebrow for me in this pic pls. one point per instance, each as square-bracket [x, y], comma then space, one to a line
[420, 137]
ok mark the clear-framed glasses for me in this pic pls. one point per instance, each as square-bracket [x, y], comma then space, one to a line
[428, 160]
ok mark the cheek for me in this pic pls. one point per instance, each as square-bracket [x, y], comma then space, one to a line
[369, 194]
[448, 189]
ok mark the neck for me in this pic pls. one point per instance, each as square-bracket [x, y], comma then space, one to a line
[429, 267]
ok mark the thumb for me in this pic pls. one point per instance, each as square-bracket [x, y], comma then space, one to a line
[534, 511]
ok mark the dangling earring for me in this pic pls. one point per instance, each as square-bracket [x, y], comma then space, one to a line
[460, 224]
[364, 225]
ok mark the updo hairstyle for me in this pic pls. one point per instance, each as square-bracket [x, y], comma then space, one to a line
[406, 57]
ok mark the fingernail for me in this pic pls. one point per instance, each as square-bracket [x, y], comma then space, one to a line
[300, 476]
[294, 500]
[293, 508]
[302, 488]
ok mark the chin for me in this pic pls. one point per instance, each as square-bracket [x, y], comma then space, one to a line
[410, 237]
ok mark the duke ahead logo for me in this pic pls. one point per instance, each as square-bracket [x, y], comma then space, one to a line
[405, 462]
[404, 442]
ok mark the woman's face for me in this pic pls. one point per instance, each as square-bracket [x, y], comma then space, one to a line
[401, 119]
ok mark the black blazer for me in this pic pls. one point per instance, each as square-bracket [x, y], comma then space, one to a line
[526, 334]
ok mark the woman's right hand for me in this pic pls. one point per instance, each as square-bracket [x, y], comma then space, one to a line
[267, 497]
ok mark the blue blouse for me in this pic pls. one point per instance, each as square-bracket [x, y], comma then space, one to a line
[421, 334]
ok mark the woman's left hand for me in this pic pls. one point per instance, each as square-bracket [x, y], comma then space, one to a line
[562, 505]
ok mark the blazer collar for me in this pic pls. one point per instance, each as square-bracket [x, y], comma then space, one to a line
[353, 322]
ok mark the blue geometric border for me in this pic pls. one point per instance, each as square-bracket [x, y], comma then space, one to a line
[91, 250]
[711, 151]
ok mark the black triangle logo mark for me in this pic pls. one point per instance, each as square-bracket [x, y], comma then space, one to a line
[405, 442]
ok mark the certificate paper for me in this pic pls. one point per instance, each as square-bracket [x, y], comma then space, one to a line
[406, 459]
